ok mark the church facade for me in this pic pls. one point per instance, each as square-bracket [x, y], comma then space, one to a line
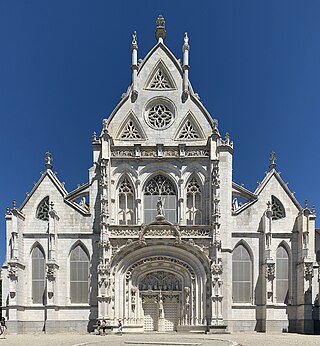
[160, 236]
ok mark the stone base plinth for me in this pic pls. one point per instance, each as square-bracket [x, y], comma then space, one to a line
[217, 329]
[192, 329]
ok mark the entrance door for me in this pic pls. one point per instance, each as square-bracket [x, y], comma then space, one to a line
[150, 316]
[170, 316]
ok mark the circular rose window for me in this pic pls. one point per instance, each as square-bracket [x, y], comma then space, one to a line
[160, 115]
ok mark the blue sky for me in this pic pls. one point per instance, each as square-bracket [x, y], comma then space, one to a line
[65, 64]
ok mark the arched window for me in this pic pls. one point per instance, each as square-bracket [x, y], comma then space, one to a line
[43, 210]
[160, 186]
[38, 276]
[126, 203]
[241, 275]
[79, 275]
[278, 211]
[193, 203]
[282, 275]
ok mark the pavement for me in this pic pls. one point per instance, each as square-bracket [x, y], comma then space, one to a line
[157, 339]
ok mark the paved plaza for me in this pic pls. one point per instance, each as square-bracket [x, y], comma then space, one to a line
[155, 339]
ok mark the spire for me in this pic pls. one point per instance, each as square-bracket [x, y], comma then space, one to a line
[134, 66]
[160, 29]
[272, 160]
[185, 67]
[48, 160]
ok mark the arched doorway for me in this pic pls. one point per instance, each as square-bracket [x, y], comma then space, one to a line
[161, 296]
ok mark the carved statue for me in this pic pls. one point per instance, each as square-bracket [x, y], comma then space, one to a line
[159, 206]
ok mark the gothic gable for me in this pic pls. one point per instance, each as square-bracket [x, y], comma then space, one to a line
[131, 129]
[160, 78]
[189, 129]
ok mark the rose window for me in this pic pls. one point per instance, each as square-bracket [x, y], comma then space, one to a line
[160, 116]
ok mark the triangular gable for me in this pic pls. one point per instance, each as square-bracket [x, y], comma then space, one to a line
[131, 129]
[160, 78]
[189, 129]
[267, 178]
[166, 50]
[56, 182]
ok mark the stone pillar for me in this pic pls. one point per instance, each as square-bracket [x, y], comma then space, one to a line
[306, 291]
[104, 279]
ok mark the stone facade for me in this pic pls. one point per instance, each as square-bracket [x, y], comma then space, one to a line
[160, 236]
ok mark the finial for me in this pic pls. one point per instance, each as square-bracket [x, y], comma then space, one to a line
[14, 204]
[8, 211]
[105, 125]
[134, 44]
[186, 42]
[227, 136]
[48, 160]
[272, 160]
[268, 205]
[51, 205]
[160, 29]
[94, 137]
[306, 204]
[215, 123]
[313, 209]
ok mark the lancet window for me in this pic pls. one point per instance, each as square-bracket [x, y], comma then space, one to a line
[241, 275]
[43, 210]
[282, 275]
[193, 203]
[277, 208]
[38, 275]
[126, 215]
[160, 188]
[79, 275]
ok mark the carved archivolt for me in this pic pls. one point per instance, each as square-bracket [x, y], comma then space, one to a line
[158, 259]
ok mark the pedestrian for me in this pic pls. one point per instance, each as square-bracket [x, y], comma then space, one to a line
[120, 327]
[102, 326]
[3, 327]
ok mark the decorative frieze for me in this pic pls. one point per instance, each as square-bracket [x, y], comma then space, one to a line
[165, 152]
[184, 232]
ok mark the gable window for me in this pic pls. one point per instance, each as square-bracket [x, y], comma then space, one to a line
[193, 203]
[160, 187]
[241, 275]
[160, 113]
[277, 208]
[282, 275]
[43, 210]
[79, 275]
[126, 203]
[160, 81]
[38, 276]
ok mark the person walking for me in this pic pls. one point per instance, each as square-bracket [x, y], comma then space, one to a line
[120, 327]
[3, 327]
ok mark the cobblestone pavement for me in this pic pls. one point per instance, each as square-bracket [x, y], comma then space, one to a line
[243, 339]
